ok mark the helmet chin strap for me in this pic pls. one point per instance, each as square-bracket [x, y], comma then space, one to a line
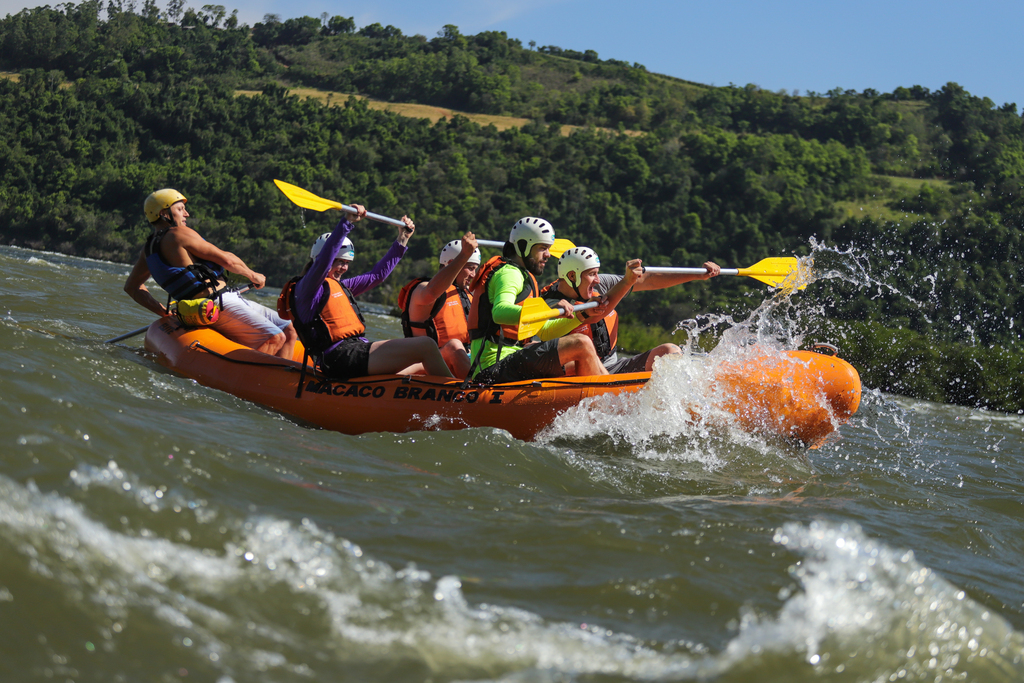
[576, 288]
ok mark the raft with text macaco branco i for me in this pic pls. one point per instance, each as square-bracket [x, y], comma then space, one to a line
[802, 396]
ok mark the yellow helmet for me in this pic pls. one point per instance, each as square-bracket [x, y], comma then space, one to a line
[160, 200]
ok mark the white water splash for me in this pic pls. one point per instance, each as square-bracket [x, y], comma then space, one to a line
[680, 408]
[877, 614]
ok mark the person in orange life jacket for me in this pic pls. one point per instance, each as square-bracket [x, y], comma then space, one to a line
[500, 287]
[579, 279]
[189, 267]
[331, 326]
[438, 308]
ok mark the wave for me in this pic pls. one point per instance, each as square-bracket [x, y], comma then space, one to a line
[290, 599]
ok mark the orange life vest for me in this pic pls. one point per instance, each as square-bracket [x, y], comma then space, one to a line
[481, 320]
[448, 316]
[604, 332]
[339, 316]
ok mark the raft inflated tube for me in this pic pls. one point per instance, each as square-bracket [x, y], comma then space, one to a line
[801, 396]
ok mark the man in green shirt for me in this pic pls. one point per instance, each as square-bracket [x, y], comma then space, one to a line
[498, 292]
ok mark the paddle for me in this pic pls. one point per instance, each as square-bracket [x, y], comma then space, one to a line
[536, 311]
[126, 335]
[135, 333]
[557, 249]
[772, 271]
[308, 200]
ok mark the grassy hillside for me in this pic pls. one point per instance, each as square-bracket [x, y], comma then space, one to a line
[415, 111]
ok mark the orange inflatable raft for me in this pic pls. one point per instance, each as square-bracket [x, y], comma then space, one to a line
[802, 396]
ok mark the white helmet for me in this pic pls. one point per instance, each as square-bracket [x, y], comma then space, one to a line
[577, 260]
[346, 253]
[453, 249]
[530, 231]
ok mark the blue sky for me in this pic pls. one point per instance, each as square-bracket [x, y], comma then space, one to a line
[805, 45]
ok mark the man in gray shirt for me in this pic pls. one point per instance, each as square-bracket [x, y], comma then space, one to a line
[580, 280]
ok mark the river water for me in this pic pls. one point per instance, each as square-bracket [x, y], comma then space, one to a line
[152, 529]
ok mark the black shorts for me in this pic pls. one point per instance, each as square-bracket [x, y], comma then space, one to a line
[536, 361]
[350, 358]
[629, 364]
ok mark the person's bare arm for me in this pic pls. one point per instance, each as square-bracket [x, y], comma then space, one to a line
[135, 287]
[426, 294]
[622, 287]
[611, 299]
[652, 281]
[190, 244]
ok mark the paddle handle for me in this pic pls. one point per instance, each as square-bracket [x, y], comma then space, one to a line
[373, 216]
[688, 271]
[490, 243]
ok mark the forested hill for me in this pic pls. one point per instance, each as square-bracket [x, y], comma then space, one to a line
[102, 104]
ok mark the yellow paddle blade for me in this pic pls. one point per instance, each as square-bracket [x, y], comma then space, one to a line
[775, 271]
[560, 247]
[305, 198]
[536, 309]
[533, 316]
[527, 330]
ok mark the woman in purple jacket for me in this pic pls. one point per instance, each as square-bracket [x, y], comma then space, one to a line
[328, 320]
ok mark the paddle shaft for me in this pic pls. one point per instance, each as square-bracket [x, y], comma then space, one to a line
[375, 217]
[135, 333]
[583, 307]
[557, 249]
[126, 335]
[688, 271]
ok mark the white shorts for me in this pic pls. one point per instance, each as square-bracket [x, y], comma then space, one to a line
[247, 322]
